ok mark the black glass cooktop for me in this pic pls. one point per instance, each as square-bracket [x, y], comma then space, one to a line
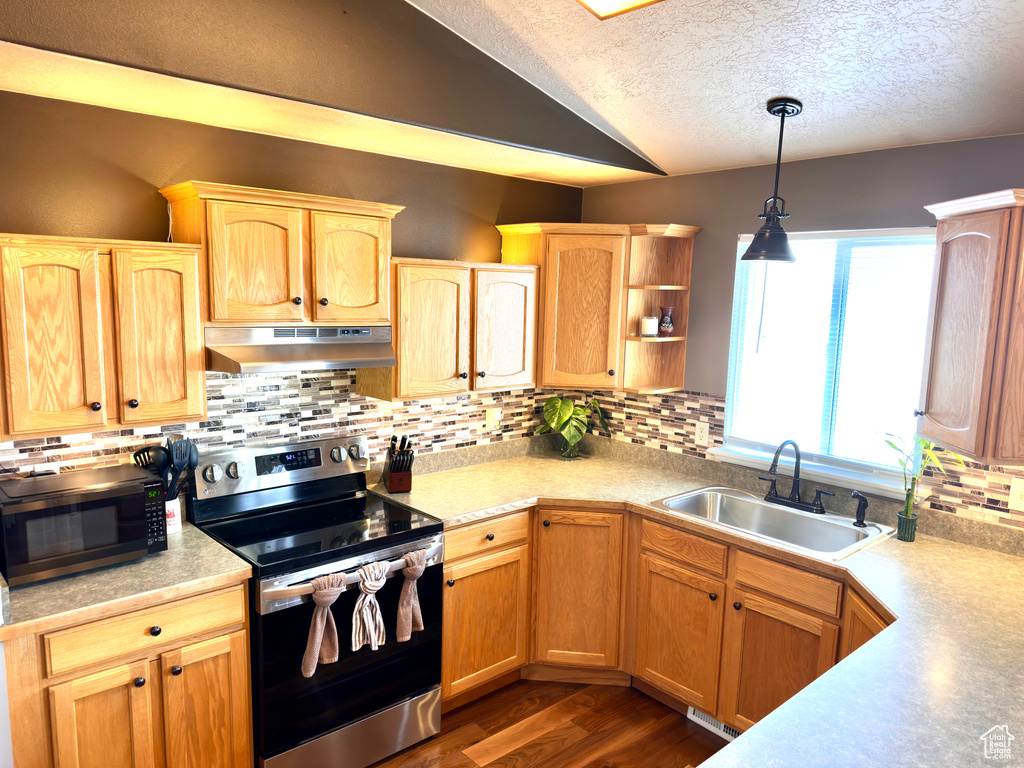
[287, 539]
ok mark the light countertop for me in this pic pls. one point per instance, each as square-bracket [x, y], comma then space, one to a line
[922, 693]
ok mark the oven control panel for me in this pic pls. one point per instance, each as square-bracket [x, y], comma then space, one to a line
[236, 470]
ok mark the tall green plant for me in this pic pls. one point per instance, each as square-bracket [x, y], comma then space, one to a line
[569, 420]
[915, 461]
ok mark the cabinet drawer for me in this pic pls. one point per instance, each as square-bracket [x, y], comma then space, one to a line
[807, 589]
[684, 547]
[79, 647]
[473, 539]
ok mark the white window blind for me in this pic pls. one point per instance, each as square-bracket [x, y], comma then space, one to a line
[828, 351]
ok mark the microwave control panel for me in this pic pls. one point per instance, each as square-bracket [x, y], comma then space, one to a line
[156, 516]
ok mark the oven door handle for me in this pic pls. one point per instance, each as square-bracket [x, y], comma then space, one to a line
[306, 588]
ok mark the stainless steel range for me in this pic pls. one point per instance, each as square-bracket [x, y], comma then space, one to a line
[300, 511]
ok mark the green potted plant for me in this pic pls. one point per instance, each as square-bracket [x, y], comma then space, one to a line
[914, 462]
[570, 421]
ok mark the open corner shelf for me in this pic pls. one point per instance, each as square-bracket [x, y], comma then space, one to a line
[655, 339]
[653, 390]
[659, 287]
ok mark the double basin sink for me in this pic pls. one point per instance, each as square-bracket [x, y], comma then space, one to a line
[824, 536]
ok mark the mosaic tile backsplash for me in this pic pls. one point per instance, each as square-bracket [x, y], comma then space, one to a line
[314, 404]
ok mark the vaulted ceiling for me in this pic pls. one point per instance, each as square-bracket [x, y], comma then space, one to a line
[685, 82]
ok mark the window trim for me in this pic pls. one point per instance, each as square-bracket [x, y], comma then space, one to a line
[871, 478]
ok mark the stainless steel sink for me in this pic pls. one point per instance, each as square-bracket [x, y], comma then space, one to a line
[823, 536]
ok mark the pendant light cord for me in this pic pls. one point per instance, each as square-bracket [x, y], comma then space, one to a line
[778, 160]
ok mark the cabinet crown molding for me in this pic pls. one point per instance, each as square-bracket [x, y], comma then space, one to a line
[637, 230]
[100, 245]
[212, 191]
[1004, 198]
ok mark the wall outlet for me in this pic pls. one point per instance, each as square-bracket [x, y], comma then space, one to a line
[491, 418]
[702, 433]
[1017, 494]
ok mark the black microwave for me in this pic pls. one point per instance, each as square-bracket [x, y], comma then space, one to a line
[54, 525]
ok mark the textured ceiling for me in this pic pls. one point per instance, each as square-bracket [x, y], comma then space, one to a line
[685, 82]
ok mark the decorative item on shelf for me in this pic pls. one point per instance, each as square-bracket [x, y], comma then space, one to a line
[397, 475]
[648, 326]
[570, 421]
[666, 326]
[771, 242]
[914, 462]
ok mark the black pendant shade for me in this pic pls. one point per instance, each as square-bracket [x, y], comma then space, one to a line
[771, 242]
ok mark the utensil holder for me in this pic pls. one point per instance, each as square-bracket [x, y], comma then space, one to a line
[397, 482]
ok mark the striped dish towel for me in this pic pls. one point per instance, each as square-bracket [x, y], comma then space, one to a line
[367, 623]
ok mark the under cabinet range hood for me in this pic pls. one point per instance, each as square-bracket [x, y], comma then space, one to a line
[258, 350]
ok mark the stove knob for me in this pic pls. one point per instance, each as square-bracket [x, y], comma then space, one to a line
[337, 455]
[357, 451]
[236, 470]
[212, 473]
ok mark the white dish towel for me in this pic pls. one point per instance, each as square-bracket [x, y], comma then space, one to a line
[367, 623]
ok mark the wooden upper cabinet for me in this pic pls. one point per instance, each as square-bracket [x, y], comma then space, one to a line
[967, 288]
[432, 329]
[771, 651]
[104, 719]
[582, 327]
[207, 714]
[679, 631]
[53, 338]
[161, 352]
[255, 254]
[350, 269]
[505, 328]
[578, 586]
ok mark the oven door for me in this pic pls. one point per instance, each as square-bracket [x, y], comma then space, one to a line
[291, 709]
[75, 532]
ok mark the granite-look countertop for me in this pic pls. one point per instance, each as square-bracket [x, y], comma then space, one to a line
[921, 693]
[193, 561]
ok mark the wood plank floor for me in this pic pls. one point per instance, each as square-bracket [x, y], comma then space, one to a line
[562, 725]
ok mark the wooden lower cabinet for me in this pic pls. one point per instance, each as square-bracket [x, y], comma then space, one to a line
[105, 719]
[486, 619]
[679, 631]
[771, 651]
[578, 586]
[860, 623]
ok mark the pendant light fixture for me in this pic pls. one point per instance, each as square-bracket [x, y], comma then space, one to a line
[771, 242]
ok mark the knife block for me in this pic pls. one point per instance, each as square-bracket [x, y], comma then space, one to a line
[397, 482]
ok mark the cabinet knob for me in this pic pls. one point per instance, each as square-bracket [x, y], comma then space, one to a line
[155, 631]
[737, 606]
[918, 413]
[481, 374]
[547, 523]
[490, 537]
[713, 596]
[451, 582]
[297, 300]
[463, 375]
[133, 403]
[175, 671]
[139, 682]
[324, 302]
[611, 373]
[96, 406]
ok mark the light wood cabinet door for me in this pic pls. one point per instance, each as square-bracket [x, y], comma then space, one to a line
[578, 587]
[350, 261]
[163, 373]
[582, 326]
[433, 330]
[505, 328]
[860, 623]
[486, 619]
[770, 652]
[255, 256]
[966, 291]
[53, 339]
[679, 631]
[207, 722]
[104, 720]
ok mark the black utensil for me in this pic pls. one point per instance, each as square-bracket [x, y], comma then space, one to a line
[187, 450]
[179, 459]
[153, 457]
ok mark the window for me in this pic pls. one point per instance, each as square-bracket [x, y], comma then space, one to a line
[828, 351]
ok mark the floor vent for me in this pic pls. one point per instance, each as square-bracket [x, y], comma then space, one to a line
[711, 724]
